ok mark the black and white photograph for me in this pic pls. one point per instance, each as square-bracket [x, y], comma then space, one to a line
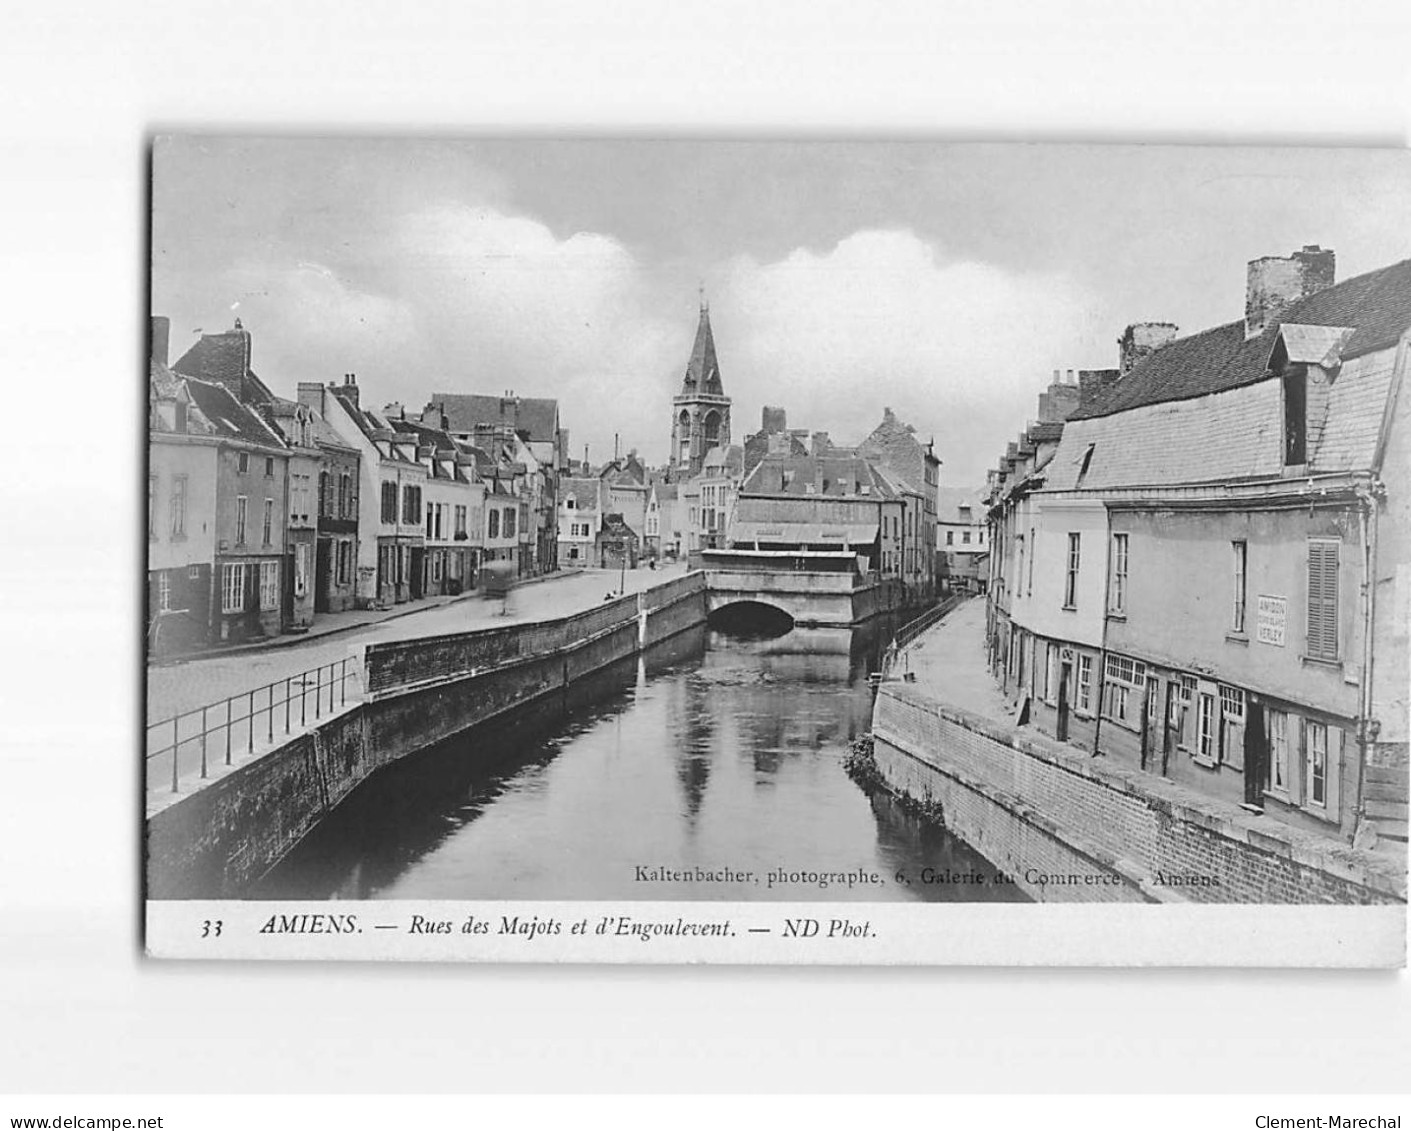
[795, 564]
[798, 523]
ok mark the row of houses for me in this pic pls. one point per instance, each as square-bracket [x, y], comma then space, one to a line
[780, 492]
[264, 512]
[1199, 559]
[962, 540]
[874, 503]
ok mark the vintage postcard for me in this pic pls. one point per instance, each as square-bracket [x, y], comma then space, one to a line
[867, 552]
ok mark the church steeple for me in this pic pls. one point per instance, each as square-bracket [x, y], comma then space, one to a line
[700, 413]
[703, 371]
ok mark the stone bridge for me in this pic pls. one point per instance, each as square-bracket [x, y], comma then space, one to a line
[809, 598]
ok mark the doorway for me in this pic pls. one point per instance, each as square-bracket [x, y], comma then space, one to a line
[323, 574]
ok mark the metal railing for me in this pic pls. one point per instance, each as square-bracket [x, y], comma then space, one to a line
[220, 729]
[914, 628]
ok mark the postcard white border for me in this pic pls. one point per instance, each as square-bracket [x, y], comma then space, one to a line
[1250, 935]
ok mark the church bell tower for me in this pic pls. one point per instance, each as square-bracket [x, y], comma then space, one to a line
[700, 412]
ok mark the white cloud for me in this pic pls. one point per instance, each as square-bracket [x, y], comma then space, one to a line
[959, 349]
[468, 299]
[508, 305]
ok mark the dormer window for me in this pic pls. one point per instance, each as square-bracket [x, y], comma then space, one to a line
[1085, 463]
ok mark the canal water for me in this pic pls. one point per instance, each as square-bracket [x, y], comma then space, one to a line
[711, 768]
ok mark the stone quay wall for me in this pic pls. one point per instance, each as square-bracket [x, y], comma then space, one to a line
[1068, 827]
[215, 842]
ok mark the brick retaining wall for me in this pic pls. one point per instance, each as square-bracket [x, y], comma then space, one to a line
[1032, 806]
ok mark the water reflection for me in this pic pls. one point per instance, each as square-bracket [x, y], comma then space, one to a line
[710, 754]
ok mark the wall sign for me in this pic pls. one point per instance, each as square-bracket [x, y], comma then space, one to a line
[1273, 617]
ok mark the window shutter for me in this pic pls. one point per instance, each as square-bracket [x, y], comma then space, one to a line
[1323, 599]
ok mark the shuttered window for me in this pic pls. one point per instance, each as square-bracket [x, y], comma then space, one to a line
[1323, 598]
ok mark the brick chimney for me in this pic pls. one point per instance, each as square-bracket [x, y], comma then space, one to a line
[350, 388]
[1273, 284]
[1059, 401]
[773, 419]
[159, 339]
[310, 395]
[1093, 383]
[1140, 340]
[819, 444]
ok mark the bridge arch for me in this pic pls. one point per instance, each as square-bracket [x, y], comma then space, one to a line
[750, 619]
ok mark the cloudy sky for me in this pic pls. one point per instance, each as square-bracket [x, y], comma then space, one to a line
[945, 281]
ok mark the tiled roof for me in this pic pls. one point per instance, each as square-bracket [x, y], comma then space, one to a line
[228, 417]
[949, 500]
[725, 458]
[757, 448]
[325, 436]
[425, 434]
[484, 462]
[163, 382]
[627, 470]
[534, 417]
[366, 420]
[615, 526]
[224, 359]
[840, 475]
[1224, 437]
[583, 492]
[1377, 306]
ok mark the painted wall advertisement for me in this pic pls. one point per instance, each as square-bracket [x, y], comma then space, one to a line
[1273, 617]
